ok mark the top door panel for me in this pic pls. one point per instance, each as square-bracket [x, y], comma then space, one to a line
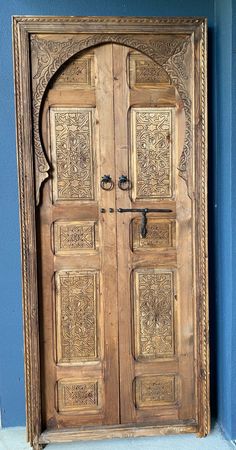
[153, 153]
[72, 148]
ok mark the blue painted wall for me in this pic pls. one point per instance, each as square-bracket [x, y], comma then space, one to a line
[232, 431]
[225, 214]
[221, 135]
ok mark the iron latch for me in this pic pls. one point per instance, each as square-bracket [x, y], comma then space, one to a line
[144, 212]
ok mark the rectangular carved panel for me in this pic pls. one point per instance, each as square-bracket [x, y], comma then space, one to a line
[78, 395]
[78, 74]
[72, 153]
[76, 311]
[74, 237]
[144, 72]
[160, 234]
[153, 313]
[154, 390]
[152, 133]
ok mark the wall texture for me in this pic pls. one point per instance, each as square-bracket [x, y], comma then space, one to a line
[221, 164]
[225, 216]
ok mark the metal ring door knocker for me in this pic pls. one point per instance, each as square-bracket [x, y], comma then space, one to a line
[107, 183]
[124, 183]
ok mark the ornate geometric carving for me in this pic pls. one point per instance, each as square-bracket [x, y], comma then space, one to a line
[78, 74]
[153, 311]
[152, 143]
[74, 237]
[76, 395]
[176, 68]
[151, 391]
[50, 55]
[76, 294]
[159, 234]
[144, 72]
[72, 153]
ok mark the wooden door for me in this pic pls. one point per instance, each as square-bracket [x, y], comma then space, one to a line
[112, 163]
[117, 303]
[155, 276]
[78, 278]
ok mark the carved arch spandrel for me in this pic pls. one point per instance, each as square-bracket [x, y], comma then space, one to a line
[48, 56]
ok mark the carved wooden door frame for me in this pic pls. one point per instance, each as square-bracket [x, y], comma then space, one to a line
[33, 167]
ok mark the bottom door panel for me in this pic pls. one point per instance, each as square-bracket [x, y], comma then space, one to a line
[83, 396]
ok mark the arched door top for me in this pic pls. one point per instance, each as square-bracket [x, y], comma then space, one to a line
[51, 55]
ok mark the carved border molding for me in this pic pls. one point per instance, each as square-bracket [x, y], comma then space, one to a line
[51, 55]
[111, 19]
[28, 238]
[203, 306]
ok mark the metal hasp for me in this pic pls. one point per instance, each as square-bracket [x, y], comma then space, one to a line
[144, 212]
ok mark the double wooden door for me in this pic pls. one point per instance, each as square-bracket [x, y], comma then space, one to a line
[115, 238]
[112, 153]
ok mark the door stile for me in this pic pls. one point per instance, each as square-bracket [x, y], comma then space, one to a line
[107, 222]
[121, 105]
[185, 292]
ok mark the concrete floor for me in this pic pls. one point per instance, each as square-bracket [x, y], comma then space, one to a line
[14, 439]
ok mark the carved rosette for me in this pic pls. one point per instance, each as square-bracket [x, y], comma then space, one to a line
[48, 56]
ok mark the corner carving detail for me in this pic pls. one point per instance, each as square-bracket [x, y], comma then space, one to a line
[48, 56]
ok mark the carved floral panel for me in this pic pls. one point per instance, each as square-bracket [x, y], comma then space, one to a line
[77, 74]
[72, 153]
[153, 313]
[77, 395]
[144, 72]
[76, 311]
[154, 390]
[152, 147]
[160, 233]
[73, 237]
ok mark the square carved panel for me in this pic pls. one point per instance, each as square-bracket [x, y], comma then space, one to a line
[77, 74]
[145, 73]
[151, 391]
[160, 234]
[153, 313]
[78, 395]
[74, 237]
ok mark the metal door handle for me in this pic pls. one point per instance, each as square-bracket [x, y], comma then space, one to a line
[124, 183]
[107, 183]
[144, 212]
